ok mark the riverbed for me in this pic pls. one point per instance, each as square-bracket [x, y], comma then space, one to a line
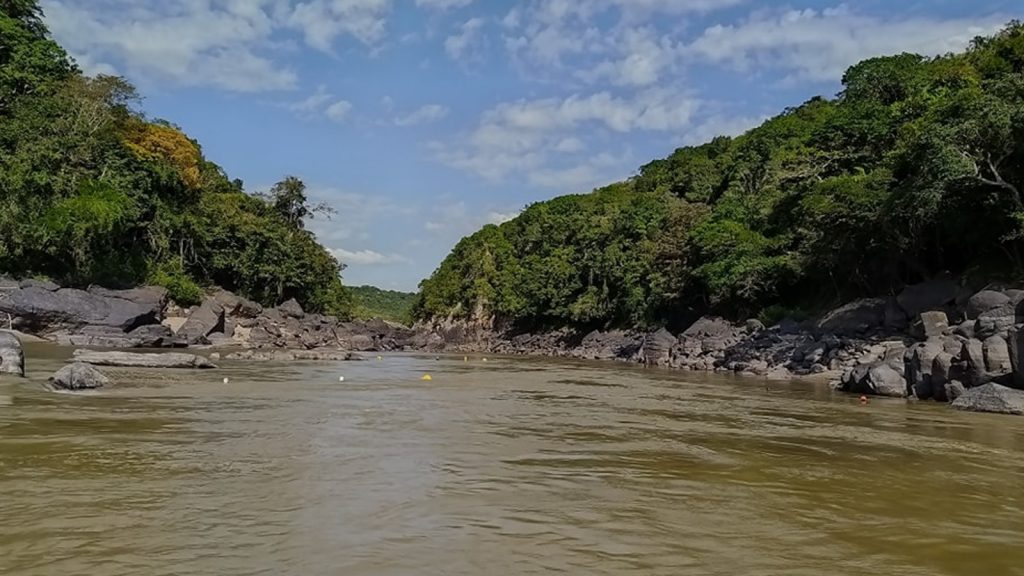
[510, 466]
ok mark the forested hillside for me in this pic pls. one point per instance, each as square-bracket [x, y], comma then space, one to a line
[93, 191]
[915, 168]
[372, 303]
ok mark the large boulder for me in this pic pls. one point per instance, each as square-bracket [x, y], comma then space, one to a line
[855, 318]
[292, 309]
[991, 398]
[203, 321]
[152, 336]
[931, 324]
[152, 298]
[78, 376]
[994, 321]
[41, 309]
[237, 306]
[136, 360]
[12, 358]
[657, 348]
[919, 360]
[984, 301]
[1016, 345]
[936, 294]
[878, 379]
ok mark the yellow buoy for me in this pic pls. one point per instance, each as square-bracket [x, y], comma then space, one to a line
[426, 378]
[465, 358]
[380, 357]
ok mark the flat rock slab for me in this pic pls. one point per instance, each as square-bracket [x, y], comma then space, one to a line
[12, 358]
[991, 398]
[136, 360]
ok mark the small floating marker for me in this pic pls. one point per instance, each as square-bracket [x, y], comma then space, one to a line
[379, 358]
[226, 380]
[427, 378]
[485, 359]
[465, 358]
[341, 378]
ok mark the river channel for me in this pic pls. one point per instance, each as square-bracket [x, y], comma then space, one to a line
[505, 467]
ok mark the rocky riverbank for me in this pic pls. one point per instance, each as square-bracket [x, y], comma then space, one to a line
[938, 340]
[146, 318]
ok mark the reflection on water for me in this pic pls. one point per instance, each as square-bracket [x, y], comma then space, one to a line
[510, 467]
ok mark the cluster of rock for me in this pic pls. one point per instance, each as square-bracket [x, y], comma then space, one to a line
[935, 340]
[145, 318]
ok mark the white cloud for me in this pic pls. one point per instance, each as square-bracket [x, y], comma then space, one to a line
[820, 44]
[366, 257]
[322, 103]
[423, 115]
[229, 44]
[465, 45]
[185, 42]
[322, 21]
[501, 217]
[339, 110]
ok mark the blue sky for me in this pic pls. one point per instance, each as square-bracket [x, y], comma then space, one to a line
[421, 120]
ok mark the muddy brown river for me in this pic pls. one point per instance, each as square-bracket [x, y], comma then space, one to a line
[508, 467]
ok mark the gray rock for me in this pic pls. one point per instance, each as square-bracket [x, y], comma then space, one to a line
[291, 308]
[711, 327]
[657, 348]
[854, 318]
[40, 284]
[992, 398]
[965, 329]
[936, 294]
[151, 298]
[1016, 344]
[236, 306]
[984, 301]
[12, 357]
[78, 376]
[919, 360]
[997, 356]
[995, 321]
[136, 360]
[203, 321]
[954, 389]
[41, 310]
[753, 326]
[152, 336]
[942, 368]
[779, 373]
[877, 379]
[931, 324]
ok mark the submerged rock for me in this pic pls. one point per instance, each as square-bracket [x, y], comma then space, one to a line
[993, 398]
[78, 376]
[12, 358]
[136, 360]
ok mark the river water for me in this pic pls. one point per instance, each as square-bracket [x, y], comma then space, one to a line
[512, 466]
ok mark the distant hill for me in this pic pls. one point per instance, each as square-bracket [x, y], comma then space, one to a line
[372, 302]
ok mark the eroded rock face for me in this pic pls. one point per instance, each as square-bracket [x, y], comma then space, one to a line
[42, 310]
[12, 357]
[78, 376]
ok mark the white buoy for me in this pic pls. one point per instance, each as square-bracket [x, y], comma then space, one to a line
[226, 380]
[341, 378]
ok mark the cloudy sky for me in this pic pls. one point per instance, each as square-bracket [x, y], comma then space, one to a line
[421, 120]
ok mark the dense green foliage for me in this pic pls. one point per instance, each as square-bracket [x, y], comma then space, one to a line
[91, 191]
[915, 168]
[373, 303]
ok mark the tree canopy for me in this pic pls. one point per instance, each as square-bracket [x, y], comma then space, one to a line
[915, 168]
[93, 191]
